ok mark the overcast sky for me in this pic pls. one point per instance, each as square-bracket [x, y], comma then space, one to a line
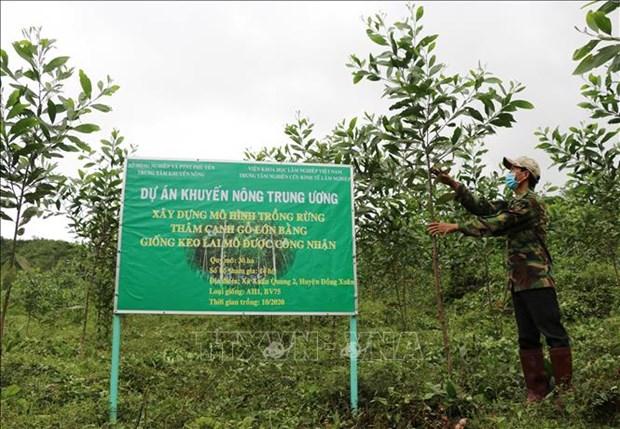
[210, 79]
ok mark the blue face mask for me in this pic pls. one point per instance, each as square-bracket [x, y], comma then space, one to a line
[511, 181]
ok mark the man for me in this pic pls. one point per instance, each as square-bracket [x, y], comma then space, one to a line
[523, 221]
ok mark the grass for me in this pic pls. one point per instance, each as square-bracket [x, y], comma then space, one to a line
[239, 372]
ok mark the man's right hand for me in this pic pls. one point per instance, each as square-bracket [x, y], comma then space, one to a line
[442, 228]
[444, 177]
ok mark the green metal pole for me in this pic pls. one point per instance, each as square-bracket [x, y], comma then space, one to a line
[116, 355]
[353, 357]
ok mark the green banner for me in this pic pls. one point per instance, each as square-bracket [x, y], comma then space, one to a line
[236, 238]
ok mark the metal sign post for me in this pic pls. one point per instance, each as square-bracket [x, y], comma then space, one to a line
[116, 358]
[353, 357]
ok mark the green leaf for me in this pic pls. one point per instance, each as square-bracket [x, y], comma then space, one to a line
[590, 21]
[13, 98]
[28, 214]
[69, 106]
[608, 7]
[51, 110]
[79, 143]
[596, 80]
[488, 104]
[111, 90]
[87, 128]
[493, 80]
[602, 22]
[22, 125]
[601, 57]
[609, 135]
[32, 75]
[585, 49]
[456, 135]
[419, 13]
[4, 58]
[523, 104]
[428, 40]
[101, 107]
[54, 64]
[503, 120]
[450, 390]
[87, 87]
[377, 38]
[393, 43]
[584, 66]
[356, 60]
[586, 105]
[25, 50]
[352, 125]
[474, 114]
[16, 110]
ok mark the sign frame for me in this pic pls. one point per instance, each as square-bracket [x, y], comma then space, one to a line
[117, 314]
[238, 313]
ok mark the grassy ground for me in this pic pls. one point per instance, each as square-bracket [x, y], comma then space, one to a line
[284, 372]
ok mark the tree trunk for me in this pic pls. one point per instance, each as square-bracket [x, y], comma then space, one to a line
[85, 322]
[615, 264]
[12, 266]
[5, 302]
[399, 294]
[441, 314]
[489, 287]
[7, 295]
[405, 302]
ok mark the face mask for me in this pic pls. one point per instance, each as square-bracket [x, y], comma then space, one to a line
[511, 181]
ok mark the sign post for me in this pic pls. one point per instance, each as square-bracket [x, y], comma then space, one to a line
[353, 360]
[246, 238]
[116, 357]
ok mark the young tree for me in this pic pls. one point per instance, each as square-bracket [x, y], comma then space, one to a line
[387, 217]
[601, 91]
[435, 114]
[589, 152]
[40, 123]
[93, 203]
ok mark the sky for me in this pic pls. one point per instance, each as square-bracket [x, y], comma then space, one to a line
[209, 80]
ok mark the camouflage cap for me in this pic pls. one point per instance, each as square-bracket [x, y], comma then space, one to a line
[524, 162]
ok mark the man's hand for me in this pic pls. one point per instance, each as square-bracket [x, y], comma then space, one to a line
[444, 177]
[441, 228]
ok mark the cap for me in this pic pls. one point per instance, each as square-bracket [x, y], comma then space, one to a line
[524, 162]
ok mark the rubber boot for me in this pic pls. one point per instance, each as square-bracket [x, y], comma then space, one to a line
[536, 381]
[562, 362]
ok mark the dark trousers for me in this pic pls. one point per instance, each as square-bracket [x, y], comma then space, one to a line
[537, 311]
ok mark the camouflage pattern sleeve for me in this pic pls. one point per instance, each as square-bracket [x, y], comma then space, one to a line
[477, 206]
[520, 214]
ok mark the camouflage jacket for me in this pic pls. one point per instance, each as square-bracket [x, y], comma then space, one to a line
[523, 220]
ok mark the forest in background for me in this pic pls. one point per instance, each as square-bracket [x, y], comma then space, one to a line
[445, 344]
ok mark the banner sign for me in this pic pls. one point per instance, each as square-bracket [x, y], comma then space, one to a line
[236, 238]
